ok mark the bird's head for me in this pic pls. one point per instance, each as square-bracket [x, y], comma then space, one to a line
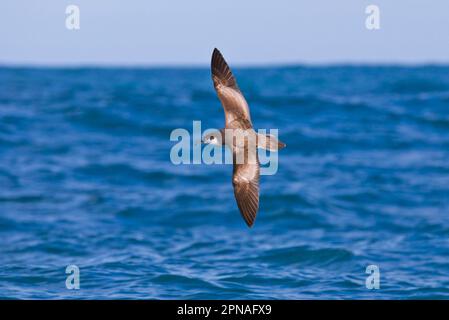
[213, 138]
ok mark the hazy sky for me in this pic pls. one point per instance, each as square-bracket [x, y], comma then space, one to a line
[155, 32]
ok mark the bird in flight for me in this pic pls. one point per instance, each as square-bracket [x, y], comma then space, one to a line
[240, 137]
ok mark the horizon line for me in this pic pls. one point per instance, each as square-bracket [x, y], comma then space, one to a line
[304, 64]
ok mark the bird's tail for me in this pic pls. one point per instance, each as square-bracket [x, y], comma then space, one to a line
[269, 142]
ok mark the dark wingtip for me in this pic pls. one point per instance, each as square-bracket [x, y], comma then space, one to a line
[249, 223]
[216, 55]
[248, 217]
[221, 73]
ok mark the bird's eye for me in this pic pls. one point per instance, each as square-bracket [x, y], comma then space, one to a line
[212, 137]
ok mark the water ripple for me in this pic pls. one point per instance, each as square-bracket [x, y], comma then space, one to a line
[86, 180]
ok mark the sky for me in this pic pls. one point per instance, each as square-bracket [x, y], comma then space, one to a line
[248, 32]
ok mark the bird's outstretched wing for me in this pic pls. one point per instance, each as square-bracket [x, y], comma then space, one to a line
[245, 180]
[232, 99]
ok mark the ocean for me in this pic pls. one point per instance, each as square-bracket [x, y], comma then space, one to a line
[86, 180]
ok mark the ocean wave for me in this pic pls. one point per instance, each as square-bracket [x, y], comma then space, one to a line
[86, 179]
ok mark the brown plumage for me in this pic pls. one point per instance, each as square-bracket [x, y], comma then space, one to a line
[245, 178]
[245, 175]
[234, 103]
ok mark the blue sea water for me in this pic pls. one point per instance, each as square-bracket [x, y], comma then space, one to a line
[86, 180]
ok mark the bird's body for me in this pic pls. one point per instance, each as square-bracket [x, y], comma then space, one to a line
[240, 137]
